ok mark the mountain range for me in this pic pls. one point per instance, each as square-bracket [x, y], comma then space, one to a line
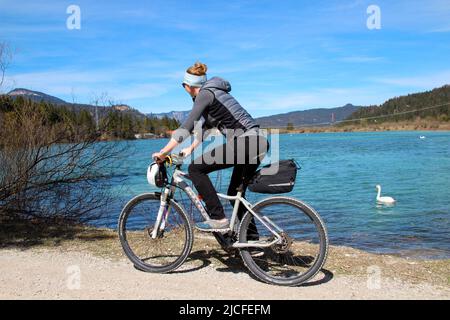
[178, 115]
[408, 104]
[37, 96]
[432, 104]
[316, 117]
[296, 118]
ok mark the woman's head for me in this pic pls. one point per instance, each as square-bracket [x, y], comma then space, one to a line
[194, 78]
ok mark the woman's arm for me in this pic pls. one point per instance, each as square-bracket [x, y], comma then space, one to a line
[172, 145]
[203, 100]
[166, 150]
[187, 151]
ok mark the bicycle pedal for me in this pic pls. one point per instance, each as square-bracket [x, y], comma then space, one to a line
[256, 252]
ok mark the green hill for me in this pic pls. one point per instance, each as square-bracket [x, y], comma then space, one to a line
[429, 105]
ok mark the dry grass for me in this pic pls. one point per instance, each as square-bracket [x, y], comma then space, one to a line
[344, 260]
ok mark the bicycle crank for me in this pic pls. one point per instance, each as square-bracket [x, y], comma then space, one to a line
[284, 244]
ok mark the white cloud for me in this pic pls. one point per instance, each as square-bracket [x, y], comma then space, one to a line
[84, 84]
[441, 30]
[264, 64]
[14, 28]
[425, 81]
[360, 59]
[138, 91]
[318, 98]
[35, 8]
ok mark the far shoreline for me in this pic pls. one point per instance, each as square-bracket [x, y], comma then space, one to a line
[357, 131]
[401, 127]
[388, 127]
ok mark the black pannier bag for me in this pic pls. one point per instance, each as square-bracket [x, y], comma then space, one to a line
[269, 180]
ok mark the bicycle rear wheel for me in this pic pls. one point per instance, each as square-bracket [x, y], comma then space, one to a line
[170, 248]
[301, 254]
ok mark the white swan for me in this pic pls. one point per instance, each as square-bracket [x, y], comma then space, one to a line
[384, 200]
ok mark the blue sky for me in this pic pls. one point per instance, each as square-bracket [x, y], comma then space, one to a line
[279, 56]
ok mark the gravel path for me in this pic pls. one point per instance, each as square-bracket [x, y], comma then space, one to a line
[59, 274]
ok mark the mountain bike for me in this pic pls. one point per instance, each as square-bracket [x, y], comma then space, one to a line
[157, 235]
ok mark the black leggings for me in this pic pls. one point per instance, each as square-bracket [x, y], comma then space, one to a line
[244, 154]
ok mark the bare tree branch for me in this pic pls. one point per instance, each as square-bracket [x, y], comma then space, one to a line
[54, 171]
[5, 60]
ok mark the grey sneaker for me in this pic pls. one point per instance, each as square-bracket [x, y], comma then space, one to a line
[213, 226]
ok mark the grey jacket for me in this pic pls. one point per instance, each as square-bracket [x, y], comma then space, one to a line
[218, 108]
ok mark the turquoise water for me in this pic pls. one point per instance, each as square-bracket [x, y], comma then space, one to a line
[338, 178]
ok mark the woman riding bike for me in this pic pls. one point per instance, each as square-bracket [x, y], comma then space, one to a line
[281, 240]
[244, 149]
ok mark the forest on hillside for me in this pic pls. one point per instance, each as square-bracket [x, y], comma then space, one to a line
[113, 125]
[429, 105]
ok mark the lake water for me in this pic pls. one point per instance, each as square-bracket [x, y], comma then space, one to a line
[338, 178]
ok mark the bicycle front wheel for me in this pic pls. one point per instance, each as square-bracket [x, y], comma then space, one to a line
[300, 254]
[172, 245]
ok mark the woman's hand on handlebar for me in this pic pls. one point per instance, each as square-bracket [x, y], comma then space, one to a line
[159, 156]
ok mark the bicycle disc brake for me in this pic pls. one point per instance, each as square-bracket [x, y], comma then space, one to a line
[159, 235]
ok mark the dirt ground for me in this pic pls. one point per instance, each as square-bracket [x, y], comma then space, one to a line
[92, 266]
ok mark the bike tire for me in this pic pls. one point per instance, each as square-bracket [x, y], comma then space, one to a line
[322, 234]
[135, 259]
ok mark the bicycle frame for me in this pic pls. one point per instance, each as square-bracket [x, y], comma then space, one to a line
[179, 182]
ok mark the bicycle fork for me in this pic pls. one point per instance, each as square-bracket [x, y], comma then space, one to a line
[163, 213]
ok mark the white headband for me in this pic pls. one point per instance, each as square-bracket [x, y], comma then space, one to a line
[193, 80]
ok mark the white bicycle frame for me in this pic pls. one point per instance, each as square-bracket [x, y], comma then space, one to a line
[178, 180]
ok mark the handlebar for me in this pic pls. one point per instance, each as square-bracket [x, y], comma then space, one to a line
[172, 159]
